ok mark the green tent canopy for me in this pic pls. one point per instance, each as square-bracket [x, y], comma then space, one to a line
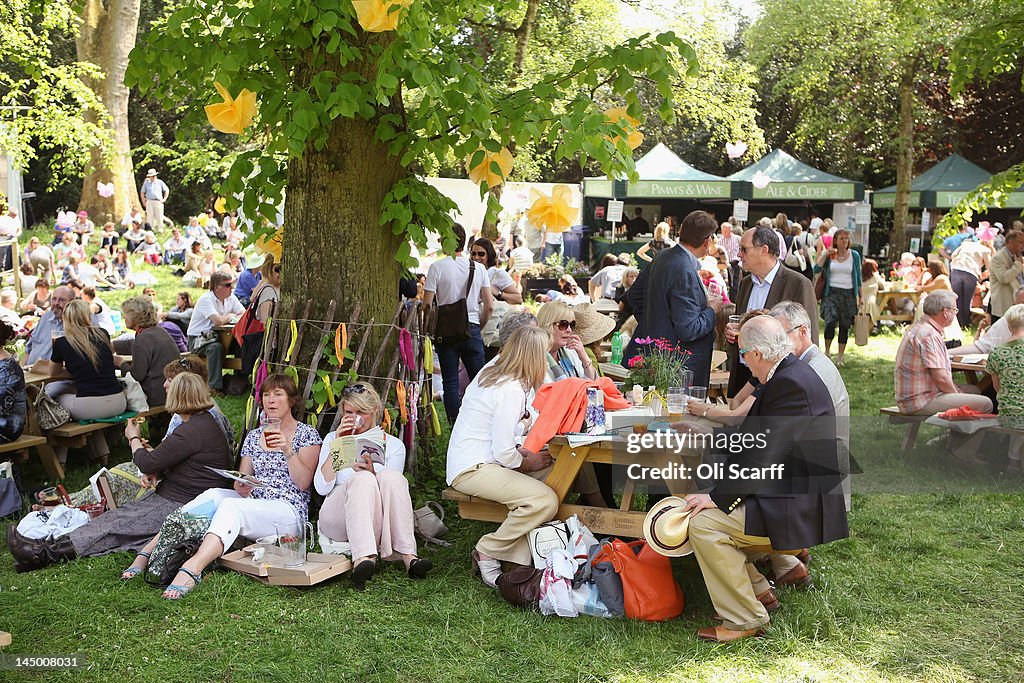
[663, 175]
[794, 181]
[943, 186]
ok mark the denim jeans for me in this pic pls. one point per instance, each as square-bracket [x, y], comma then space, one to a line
[471, 353]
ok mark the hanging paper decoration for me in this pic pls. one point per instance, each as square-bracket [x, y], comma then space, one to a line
[402, 395]
[233, 115]
[986, 232]
[428, 356]
[340, 343]
[376, 16]
[484, 171]
[387, 421]
[405, 349]
[65, 219]
[291, 345]
[761, 180]
[330, 390]
[106, 190]
[554, 213]
[735, 149]
[220, 206]
[434, 422]
[618, 114]
[271, 244]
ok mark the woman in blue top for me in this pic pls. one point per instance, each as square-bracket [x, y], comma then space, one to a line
[284, 461]
[841, 267]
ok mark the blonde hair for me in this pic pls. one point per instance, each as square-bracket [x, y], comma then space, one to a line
[1015, 317]
[523, 358]
[365, 401]
[553, 311]
[80, 333]
[661, 231]
[139, 311]
[188, 394]
[267, 269]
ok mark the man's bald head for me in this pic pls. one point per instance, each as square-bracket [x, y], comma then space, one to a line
[60, 298]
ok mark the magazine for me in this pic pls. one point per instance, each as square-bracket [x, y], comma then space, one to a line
[238, 476]
[348, 450]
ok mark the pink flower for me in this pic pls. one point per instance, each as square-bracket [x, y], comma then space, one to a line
[645, 341]
[636, 361]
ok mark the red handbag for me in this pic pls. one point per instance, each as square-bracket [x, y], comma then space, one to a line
[649, 590]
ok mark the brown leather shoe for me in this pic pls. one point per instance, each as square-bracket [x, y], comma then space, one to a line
[797, 577]
[721, 634]
[768, 599]
[30, 554]
[804, 556]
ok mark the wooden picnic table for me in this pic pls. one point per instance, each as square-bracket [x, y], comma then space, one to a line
[568, 461]
[976, 373]
[883, 298]
[606, 306]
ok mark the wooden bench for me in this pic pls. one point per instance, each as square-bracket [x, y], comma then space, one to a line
[74, 434]
[913, 423]
[22, 447]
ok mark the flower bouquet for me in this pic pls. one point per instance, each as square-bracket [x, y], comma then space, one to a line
[660, 364]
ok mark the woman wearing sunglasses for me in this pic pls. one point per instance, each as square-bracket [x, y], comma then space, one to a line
[567, 356]
[368, 504]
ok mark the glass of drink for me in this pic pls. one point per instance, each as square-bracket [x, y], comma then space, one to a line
[676, 403]
[698, 394]
[49, 497]
[270, 425]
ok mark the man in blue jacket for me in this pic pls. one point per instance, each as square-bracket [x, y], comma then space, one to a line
[671, 302]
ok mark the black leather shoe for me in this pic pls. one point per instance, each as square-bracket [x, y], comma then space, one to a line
[419, 567]
[362, 573]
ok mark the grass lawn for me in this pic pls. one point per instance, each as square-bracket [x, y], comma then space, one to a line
[926, 589]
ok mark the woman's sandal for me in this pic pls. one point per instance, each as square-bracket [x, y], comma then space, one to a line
[132, 572]
[182, 591]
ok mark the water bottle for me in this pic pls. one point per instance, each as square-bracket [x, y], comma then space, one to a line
[617, 348]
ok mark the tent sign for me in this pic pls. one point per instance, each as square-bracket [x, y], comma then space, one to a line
[696, 189]
[823, 191]
[740, 210]
[615, 210]
[926, 221]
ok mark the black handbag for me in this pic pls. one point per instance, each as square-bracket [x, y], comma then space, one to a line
[521, 586]
[176, 556]
[451, 324]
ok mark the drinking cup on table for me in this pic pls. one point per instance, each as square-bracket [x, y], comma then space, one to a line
[698, 394]
[676, 403]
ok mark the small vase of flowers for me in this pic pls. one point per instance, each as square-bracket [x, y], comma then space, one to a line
[660, 364]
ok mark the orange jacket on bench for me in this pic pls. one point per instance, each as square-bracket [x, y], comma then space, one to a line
[563, 405]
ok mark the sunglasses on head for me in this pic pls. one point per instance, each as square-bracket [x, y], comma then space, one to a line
[353, 389]
[564, 325]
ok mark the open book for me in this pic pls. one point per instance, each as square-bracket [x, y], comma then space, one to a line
[348, 450]
[238, 476]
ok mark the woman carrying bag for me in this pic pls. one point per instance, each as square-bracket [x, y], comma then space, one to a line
[840, 268]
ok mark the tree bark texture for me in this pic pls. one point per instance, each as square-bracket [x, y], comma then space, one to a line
[106, 37]
[334, 245]
[904, 161]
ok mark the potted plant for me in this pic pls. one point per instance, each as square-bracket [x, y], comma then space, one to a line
[660, 364]
[543, 276]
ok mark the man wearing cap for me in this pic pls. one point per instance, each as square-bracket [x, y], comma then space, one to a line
[154, 193]
[792, 421]
[249, 278]
[84, 228]
[219, 306]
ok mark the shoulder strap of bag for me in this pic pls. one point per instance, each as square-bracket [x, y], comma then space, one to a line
[469, 282]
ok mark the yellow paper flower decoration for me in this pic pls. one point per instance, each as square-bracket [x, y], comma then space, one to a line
[271, 244]
[617, 114]
[232, 115]
[554, 213]
[220, 206]
[375, 16]
[483, 172]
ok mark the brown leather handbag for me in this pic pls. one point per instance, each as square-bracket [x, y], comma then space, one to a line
[521, 586]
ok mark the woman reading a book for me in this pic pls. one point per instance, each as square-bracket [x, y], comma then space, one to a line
[281, 456]
[484, 459]
[368, 503]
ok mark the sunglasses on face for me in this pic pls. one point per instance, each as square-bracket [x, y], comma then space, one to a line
[277, 269]
[564, 325]
[479, 254]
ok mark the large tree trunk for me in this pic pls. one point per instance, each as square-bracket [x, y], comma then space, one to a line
[904, 161]
[334, 245]
[105, 38]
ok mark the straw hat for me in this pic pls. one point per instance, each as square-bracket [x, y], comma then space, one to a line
[151, 173]
[254, 260]
[591, 326]
[667, 527]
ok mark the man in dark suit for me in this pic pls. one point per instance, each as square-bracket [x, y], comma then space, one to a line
[767, 283]
[790, 505]
[672, 303]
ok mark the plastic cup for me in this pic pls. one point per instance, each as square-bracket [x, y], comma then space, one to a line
[698, 394]
[676, 402]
